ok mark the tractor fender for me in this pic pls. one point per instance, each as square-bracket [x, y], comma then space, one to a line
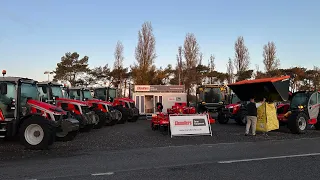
[36, 116]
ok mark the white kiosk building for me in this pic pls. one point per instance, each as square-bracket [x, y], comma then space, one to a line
[147, 96]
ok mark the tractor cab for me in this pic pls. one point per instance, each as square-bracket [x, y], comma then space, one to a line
[21, 113]
[105, 93]
[304, 110]
[52, 93]
[211, 97]
[103, 108]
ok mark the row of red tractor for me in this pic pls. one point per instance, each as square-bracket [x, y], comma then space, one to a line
[160, 121]
[45, 112]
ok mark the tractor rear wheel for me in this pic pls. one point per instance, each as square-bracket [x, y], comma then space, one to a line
[36, 133]
[110, 121]
[298, 122]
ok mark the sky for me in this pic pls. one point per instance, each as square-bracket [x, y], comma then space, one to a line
[35, 34]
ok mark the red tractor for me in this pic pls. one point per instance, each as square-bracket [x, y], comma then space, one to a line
[304, 111]
[52, 93]
[234, 110]
[128, 109]
[37, 123]
[103, 109]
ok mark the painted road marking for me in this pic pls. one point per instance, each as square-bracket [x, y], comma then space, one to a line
[267, 158]
[103, 174]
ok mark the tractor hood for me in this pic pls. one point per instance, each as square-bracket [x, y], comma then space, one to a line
[273, 89]
[72, 101]
[90, 101]
[42, 105]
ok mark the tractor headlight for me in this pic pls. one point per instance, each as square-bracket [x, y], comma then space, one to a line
[300, 107]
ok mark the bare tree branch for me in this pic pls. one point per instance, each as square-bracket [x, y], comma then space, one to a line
[145, 54]
[270, 60]
[242, 58]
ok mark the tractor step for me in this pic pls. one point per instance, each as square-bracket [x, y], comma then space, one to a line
[3, 130]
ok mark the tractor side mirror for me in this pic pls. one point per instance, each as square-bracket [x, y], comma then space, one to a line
[3, 88]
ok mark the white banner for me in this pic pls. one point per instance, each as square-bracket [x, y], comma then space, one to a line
[182, 125]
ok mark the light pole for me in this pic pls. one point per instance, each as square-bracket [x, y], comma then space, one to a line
[48, 73]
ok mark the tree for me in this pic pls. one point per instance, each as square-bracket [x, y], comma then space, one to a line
[270, 61]
[145, 55]
[191, 54]
[118, 73]
[71, 67]
[179, 64]
[211, 68]
[230, 71]
[242, 58]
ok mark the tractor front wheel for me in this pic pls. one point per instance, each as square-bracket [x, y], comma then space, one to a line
[223, 118]
[124, 113]
[241, 118]
[36, 133]
[297, 123]
[102, 119]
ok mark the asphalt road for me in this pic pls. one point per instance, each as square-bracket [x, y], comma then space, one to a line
[284, 159]
[133, 151]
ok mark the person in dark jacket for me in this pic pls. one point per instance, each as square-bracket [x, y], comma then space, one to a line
[251, 117]
[159, 107]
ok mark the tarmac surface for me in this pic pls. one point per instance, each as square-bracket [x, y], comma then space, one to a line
[134, 151]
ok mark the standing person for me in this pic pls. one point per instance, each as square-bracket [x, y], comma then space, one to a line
[251, 117]
[159, 107]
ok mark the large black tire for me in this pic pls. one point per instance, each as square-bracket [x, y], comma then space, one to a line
[124, 113]
[36, 133]
[223, 118]
[241, 118]
[298, 123]
[130, 115]
[102, 119]
[110, 121]
[83, 128]
[69, 137]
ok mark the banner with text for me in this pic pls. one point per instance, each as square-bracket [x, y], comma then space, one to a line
[181, 125]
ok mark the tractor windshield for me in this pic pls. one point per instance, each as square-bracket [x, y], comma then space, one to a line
[6, 101]
[299, 99]
[100, 93]
[87, 94]
[43, 93]
[28, 91]
[57, 91]
[235, 99]
[112, 94]
[211, 95]
[74, 94]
